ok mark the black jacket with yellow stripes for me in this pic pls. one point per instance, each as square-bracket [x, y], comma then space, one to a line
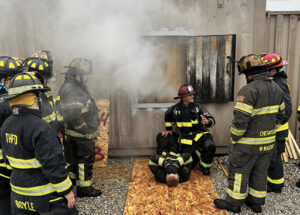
[188, 121]
[33, 150]
[259, 108]
[5, 169]
[78, 109]
[48, 110]
[184, 160]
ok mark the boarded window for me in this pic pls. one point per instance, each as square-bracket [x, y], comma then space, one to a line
[200, 61]
[209, 69]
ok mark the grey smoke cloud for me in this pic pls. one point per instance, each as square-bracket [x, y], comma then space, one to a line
[107, 32]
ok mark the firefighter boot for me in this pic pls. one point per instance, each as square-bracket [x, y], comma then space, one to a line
[274, 190]
[88, 192]
[205, 171]
[223, 204]
[254, 207]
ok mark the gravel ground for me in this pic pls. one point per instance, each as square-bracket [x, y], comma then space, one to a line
[114, 183]
[285, 203]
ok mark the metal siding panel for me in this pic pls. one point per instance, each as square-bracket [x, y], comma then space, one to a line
[198, 76]
[205, 91]
[278, 34]
[213, 66]
[191, 70]
[220, 68]
[227, 73]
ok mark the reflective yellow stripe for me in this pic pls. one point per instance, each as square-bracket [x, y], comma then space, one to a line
[283, 127]
[81, 171]
[54, 200]
[1, 154]
[168, 124]
[243, 107]
[198, 154]
[275, 181]
[187, 124]
[33, 191]
[237, 182]
[84, 109]
[282, 106]
[151, 163]
[164, 153]
[186, 141]
[76, 134]
[23, 163]
[72, 175]
[84, 183]
[16, 90]
[57, 98]
[236, 132]
[199, 135]
[161, 161]
[175, 154]
[298, 108]
[212, 122]
[180, 160]
[4, 165]
[63, 186]
[4, 176]
[236, 195]
[48, 94]
[257, 194]
[60, 118]
[190, 160]
[49, 118]
[265, 110]
[205, 165]
[256, 141]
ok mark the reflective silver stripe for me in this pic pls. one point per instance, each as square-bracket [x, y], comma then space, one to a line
[33, 191]
[236, 195]
[257, 194]
[256, 141]
[180, 160]
[4, 165]
[81, 171]
[237, 182]
[236, 132]
[266, 110]
[1, 154]
[243, 107]
[205, 165]
[189, 160]
[160, 161]
[50, 117]
[84, 183]
[63, 186]
[23, 163]
[76, 134]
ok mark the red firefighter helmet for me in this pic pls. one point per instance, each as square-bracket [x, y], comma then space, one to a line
[273, 60]
[185, 90]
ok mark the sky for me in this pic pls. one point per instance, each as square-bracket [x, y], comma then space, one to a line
[283, 5]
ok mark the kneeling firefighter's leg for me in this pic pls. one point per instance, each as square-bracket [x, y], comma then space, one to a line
[258, 180]
[207, 151]
[168, 143]
[85, 153]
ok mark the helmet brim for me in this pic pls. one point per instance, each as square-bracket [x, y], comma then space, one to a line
[11, 96]
[254, 70]
[188, 94]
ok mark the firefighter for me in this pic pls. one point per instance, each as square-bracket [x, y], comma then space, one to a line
[40, 64]
[8, 68]
[81, 125]
[192, 121]
[275, 171]
[171, 168]
[259, 108]
[39, 180]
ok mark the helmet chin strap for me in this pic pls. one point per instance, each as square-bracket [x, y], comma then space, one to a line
[39, 100]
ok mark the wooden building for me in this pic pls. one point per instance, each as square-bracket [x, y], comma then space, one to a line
[192, 46]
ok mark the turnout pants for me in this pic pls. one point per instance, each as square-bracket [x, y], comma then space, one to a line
[247, 171]
[80, 156]
[275, 171]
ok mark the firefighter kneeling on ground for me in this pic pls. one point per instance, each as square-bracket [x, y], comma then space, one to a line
[192, 122]
[258, 110]
[168, 166]
[39, 179]
[81, 125]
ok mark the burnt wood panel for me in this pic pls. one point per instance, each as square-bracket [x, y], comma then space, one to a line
[209, 70]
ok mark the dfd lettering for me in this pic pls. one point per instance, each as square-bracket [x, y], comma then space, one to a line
[25, 205]
[11, 138]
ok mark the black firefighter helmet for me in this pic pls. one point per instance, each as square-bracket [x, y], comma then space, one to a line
[251, 64]
[23, 83]
[39, 66]
[9, 67]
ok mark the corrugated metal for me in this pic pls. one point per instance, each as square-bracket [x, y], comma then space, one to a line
[209, 69]
[283, 37]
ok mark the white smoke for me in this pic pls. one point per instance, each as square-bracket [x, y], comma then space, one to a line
[107, 32]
